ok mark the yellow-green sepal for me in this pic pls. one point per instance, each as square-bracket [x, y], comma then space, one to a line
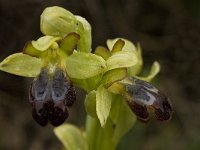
[57, 21]
[135, 70]
[81, 65]
[22, 65]
[122, 59]
[84, 30]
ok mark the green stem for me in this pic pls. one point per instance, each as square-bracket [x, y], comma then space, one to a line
[99, 138]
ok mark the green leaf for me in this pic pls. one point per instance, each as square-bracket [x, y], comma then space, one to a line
[84, 29]
[90, 104]
[22, 65]
[57, 21]
[103, 52]
[43, 43]
[128, 44]
[71, 137]
[119, 44]
[103, 104]
[122, 59]
[132, 71]
[155, 68]
[81, 65]
[113, 75]
[68, 43]
[122, 117]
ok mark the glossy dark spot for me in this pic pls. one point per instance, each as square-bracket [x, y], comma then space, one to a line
[41, 116]
[49, 112]
[164, 112]
[140, 111]
[71, 96]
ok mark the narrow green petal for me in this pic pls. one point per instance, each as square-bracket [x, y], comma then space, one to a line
[68, 43]
[122, 59]
[113, 75]
[43, 43]
[128, 44]
[81, 65]
[103, 104]
[22, 65]
[119, 44]
[30, 50]
[155, 68]
[84, 29]
[90, 104]
[103, 52]
[71, 137]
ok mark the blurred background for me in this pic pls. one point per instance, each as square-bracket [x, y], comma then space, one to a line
[169, 31]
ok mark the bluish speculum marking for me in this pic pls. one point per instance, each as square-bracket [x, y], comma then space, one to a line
[59, 85]
[40, 86]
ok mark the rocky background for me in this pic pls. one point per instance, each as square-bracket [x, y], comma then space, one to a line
[168, 30]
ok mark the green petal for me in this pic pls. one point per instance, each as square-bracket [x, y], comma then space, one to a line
[43, 43]
[128, 44]
[103, 52]
[113, 75]
[81, 65]
[71, 137]
[155, 68]
[30, 50]
[57, 21]
[119, 44]
[122, 59]
[84, 29]
[68, 44]
[22, 65]
[90, 104]
[103, 104]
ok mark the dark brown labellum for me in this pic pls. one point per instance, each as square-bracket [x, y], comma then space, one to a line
[144, 97]
[50, 96]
